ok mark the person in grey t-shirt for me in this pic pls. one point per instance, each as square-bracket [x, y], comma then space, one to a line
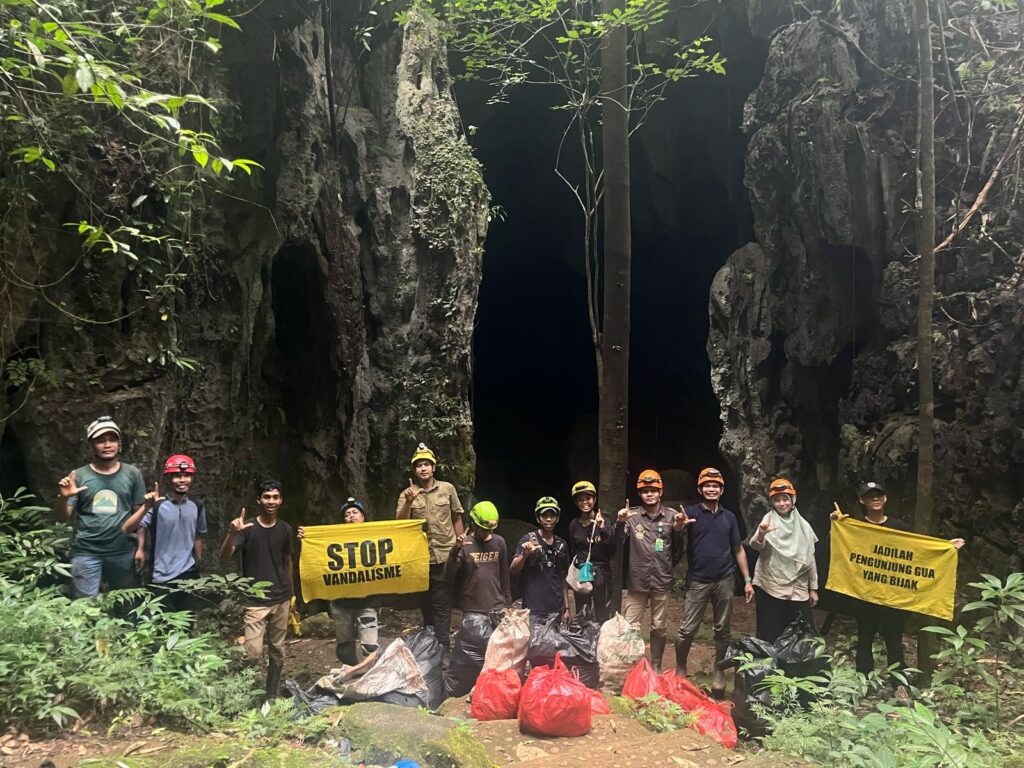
[175, 527]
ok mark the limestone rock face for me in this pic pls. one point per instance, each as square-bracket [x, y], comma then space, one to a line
[333, 316]
[813, 328]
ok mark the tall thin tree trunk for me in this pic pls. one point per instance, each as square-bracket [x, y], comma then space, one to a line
[926, 295]
[613, 418]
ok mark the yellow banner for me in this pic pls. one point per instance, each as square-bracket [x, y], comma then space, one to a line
[894, 568]
[363, 559]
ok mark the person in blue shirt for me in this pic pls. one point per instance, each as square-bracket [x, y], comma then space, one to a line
[714, 551]
[175, 526]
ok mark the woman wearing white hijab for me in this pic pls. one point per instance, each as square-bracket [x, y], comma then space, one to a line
[786, 578]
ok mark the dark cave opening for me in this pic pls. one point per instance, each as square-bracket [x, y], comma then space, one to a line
[534, 393]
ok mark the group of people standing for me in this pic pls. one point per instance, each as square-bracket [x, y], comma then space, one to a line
[470, 565]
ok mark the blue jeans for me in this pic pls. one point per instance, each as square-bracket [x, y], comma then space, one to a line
[88, 571]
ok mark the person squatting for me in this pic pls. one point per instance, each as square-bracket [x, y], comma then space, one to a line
[124, 535]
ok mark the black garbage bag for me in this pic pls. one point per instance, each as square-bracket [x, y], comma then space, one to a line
[467, 659]
[428, 653]
[312, 701]
[577, 643]
[795, 654]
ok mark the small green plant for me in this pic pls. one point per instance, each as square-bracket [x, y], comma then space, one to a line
[278, 720]
[655, 712]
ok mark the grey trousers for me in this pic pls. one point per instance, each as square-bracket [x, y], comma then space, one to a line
[698, 595]
[355, 623]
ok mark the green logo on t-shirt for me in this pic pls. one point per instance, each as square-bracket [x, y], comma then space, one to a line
[104, 503]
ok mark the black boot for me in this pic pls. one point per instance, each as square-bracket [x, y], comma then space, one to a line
[718, 681]
[346, 653]
[657, 651]
[682, 653]
[274, 670]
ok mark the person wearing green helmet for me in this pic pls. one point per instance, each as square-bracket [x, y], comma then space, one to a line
[544, 559]
[478, 567]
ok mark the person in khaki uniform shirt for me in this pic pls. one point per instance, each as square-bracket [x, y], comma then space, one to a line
[436, 502]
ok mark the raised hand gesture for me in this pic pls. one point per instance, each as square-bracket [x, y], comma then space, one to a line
[529, 547]
[624, 512]
[239, 524]
[837, 513]
[682, 520]
[766, 527]
[69, 487]
[411, 492]
[154, 498]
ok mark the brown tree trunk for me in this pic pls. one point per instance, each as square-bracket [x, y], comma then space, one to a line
[926, 295]
[613, 418]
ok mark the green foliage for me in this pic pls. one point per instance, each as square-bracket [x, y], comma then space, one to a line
[656, 713]
[107, 118]
[116, 655]
[278, 720]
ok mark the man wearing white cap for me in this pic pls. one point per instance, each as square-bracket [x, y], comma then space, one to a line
[98, 498]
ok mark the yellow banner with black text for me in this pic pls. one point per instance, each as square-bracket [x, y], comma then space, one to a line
[363, 559]
[894, 568]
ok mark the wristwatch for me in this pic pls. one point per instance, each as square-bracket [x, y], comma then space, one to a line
[747, 579]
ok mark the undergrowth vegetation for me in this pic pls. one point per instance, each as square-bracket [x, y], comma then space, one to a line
[110, 657]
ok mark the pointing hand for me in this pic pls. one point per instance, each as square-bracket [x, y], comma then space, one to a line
[411, 492]
[239, 524]
[154, 498]
[765, 528]
[682, 520]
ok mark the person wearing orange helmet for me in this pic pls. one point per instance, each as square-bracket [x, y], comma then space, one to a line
[714, 551]
[786, 577]
[652, 537]
[181, 523]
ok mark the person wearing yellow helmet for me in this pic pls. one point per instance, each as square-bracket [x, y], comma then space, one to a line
[786, 576]
[714, 551]
[438, 503]
[590, 539]
[544, 559]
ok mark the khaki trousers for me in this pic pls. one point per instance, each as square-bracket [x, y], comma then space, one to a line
[269, 620]
[634, 604]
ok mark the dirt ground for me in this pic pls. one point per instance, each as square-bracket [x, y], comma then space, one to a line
[311, 656]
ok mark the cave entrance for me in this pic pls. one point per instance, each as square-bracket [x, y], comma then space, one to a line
[535, 394]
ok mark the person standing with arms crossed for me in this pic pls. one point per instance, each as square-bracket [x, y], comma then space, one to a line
[437, 502]
[714, 551]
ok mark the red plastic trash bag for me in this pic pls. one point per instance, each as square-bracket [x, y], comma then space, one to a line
[496, 696]
[678, 689]
[554, 703]
[641, 681]
[598, 705]
[715, 721]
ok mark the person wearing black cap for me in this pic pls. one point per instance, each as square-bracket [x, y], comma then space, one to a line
[873, 619]
[99, 497]
[355, 619]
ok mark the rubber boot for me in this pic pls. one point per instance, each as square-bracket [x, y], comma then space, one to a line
[657, 651]
[274, 670]
[346, 653]
[718, 681]
[682, 653]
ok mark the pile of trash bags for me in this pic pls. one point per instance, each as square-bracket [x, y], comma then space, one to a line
[796, 653]
[576, 643]
[468, 652]
[619, 647]
[552, 701]
[407, 672]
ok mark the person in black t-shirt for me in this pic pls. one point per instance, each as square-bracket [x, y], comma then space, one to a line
[544, 559]
[478, 568]
[266, 549]
[591, 540]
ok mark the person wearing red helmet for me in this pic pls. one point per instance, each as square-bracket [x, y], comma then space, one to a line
[786, 577]
[174, 525]
[714, 550]
[651, 536]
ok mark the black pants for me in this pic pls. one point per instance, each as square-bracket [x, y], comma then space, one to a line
[879, 620]
[598, 602]
[436, 605]
[774, 615]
